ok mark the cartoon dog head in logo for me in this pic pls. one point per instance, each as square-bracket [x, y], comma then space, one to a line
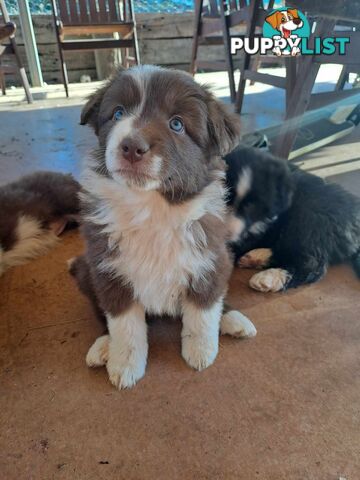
[285, 21]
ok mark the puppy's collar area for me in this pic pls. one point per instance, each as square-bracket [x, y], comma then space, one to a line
[210, 200]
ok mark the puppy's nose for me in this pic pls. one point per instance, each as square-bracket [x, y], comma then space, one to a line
[133, 149]
[297, 21]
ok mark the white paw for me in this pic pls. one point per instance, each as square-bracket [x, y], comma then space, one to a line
[257, 258]
[98, 353]
[270, 280]
[237, 325]
[126, 367]
[199, 351]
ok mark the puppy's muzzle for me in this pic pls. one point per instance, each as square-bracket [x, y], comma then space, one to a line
[133, 149]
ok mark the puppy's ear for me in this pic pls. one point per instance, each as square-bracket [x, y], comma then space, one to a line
[90, 111]
[294, 12]
[223, 126]
[280, 185]
[273, 19]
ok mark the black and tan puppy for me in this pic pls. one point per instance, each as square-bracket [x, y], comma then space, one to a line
[34, 211]
[155, 217]
[289, 222]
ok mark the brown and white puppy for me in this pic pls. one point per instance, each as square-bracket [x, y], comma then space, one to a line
[34, 211]
[154, 214]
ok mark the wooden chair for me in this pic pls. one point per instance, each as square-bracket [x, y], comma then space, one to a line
[213, 25]
[340, 13]
[256, 19]
[12, 49]
[302, 97]
[94, 17]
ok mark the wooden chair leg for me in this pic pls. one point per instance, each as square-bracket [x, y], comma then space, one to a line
[227, 46]
[123, 57]
[22, 72]
[297, 106]
[241, 87]
[61, 55]
[136, 43]
[64, 71]
[253, 15]
[343, 78]
[26, 85]
[2, 83]
[256, 63]
[298, 103]
[290, 68]
[136, 52]
[195, 42]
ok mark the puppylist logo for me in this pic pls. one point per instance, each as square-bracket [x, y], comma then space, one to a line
[286, 31]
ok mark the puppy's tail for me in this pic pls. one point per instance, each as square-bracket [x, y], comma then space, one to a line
[356, 263]
[40, 207]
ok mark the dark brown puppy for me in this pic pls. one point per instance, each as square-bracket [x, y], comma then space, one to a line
[154, 216]
[34, 211]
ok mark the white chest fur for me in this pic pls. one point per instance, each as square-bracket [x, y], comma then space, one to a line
[158, 247]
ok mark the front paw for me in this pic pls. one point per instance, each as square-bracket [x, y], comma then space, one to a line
[270, 280]
[257, 258]
[199, 351]
[237, 325]
[98, 353]
[126, 367]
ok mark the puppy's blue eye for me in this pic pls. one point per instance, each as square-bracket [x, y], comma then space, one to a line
[176, 124]
[119, 113]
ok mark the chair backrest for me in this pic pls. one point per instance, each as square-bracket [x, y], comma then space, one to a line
[92, 12]
[342, 9]
[4, 12]
[211, 8]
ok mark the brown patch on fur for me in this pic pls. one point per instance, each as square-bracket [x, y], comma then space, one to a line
[80, 270]
[48, 197]
[207, 290]
[113, 295]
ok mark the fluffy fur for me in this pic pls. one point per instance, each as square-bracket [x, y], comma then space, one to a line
[291, 221]
[154, 216]
[35, 210]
